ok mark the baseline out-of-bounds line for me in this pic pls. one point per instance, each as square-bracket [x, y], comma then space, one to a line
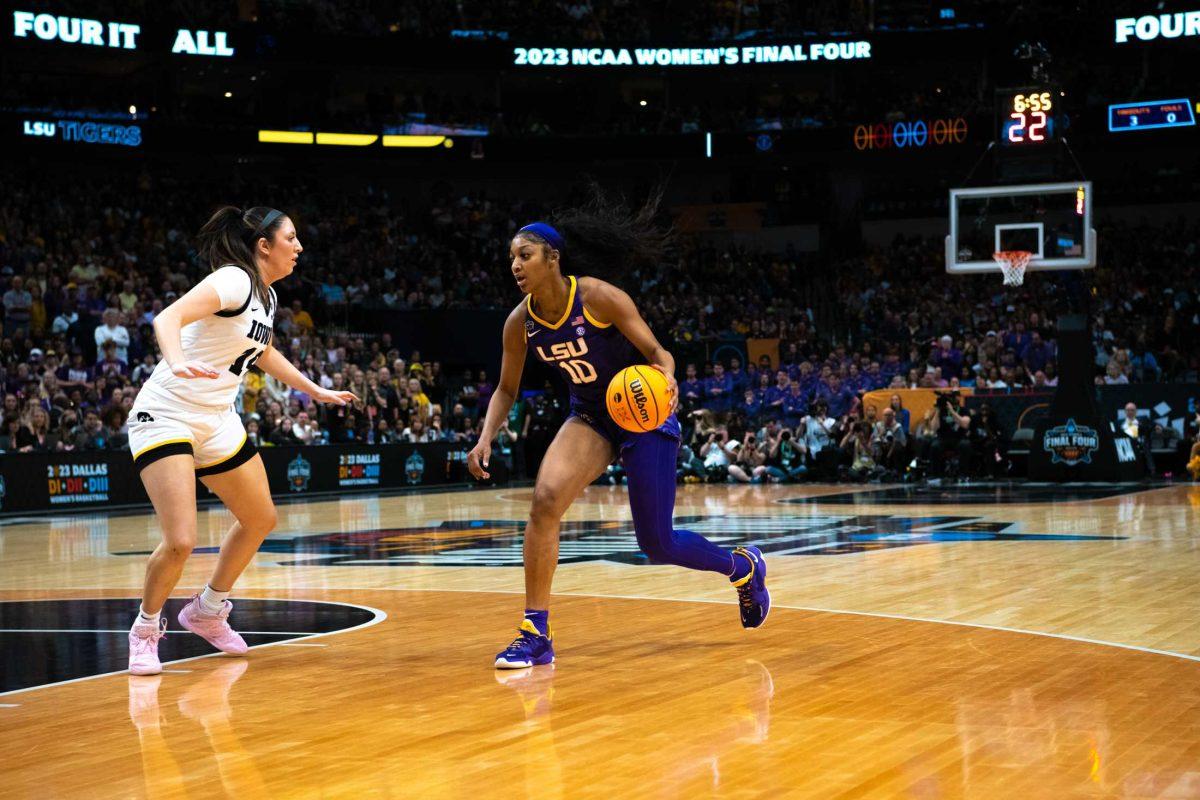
[814, 609]
[379, 617]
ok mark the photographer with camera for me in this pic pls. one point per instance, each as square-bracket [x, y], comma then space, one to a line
[857, 443]
[718, 453]
[784, 456]
[748, 466]
[950, 429]
[889, 442]
[819, 443]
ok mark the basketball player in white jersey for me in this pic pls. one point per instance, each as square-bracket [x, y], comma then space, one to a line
[183, 425]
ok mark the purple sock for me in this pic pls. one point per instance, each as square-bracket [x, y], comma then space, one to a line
[540, 620]
[650, 469]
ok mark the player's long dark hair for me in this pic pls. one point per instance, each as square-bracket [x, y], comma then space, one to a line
[230, 237]
[604, 238]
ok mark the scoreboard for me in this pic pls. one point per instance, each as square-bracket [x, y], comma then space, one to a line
[1150, 114]
[1028, 116]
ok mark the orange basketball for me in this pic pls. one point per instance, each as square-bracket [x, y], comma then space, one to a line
[638, 398]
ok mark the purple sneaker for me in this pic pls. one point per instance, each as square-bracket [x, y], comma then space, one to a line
[213, 627]
[530, 649]
[753, 598]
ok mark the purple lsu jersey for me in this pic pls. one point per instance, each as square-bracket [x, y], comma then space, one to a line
[589, 353]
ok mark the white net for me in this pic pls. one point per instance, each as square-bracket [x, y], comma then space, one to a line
[1012, 265]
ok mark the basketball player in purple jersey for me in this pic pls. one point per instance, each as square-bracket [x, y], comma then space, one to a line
[591, 330]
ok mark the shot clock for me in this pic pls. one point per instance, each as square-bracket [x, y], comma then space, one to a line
[1027, 116]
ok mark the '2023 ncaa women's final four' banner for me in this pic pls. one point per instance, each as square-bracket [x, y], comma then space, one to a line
[32, 482]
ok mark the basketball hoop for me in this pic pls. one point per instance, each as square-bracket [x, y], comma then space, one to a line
[1012, 265]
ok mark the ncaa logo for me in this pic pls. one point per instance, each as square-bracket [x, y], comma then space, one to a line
[414, 468]
[580, 331]
[298, 473]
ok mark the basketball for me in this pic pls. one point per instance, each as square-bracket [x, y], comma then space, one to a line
[638, 398]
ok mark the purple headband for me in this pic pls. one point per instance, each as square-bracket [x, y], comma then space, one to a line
[552, 237]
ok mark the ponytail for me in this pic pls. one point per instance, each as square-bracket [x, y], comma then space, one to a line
[603, 238]
[231, 236]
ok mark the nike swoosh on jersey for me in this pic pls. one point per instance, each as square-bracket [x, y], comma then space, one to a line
[531, 334]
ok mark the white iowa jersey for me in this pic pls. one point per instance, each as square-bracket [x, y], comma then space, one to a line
[229, 341]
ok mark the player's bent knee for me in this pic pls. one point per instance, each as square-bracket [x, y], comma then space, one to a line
[266, 520]
[549, 502]
[178, 548]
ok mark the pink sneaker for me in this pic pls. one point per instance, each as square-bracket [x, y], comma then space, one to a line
[212, 627]
[143, 648]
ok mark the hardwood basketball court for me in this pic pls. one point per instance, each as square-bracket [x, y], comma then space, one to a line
[983, 641]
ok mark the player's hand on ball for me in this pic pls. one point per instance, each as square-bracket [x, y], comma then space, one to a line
[672, 387]
[193, 369]
[335, 398]
[478, 458]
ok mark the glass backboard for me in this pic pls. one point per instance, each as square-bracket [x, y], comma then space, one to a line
[1053, 221]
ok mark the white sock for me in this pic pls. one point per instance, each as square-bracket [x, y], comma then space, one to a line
[212, 601]
[147, 619]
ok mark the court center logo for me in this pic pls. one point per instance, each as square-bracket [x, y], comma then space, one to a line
[299, 472]
[1071, 444]
[498, 543]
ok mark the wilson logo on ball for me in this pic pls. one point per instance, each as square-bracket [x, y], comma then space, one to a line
[640, 399]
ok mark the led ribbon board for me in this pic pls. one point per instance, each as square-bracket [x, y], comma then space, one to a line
[689, 56]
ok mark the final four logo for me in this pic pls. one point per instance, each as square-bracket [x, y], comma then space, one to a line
[414, 467]
[298, 473]
[1071, 444]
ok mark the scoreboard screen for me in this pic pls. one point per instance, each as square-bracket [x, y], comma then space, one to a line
[1150, 114]
[1027, 116]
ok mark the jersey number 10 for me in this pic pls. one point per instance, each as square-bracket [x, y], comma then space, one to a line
[579, 370]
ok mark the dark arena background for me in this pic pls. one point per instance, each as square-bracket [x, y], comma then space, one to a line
[931, 284]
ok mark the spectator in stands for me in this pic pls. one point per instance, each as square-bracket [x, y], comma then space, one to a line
[1037, 353]
[15, 435]
[718, 390]
[776, 395]
[305, 429]
[737, 378]
[794, 406]
[18, 305]
[113, 426]
[113, 331]
[750, 409]
[691, 391]
[90, 434]
[1132, 427]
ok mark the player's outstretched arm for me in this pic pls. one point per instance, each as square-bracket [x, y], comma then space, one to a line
[512, 364]
[276, 364]
[610, 304]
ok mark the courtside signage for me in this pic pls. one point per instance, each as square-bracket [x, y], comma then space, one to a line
[689, 56]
